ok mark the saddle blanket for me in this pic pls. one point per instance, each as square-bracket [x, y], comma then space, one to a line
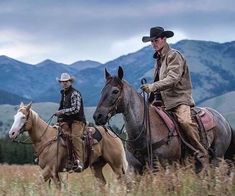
[205, 115]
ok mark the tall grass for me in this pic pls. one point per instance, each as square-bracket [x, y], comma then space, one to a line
[173, 180]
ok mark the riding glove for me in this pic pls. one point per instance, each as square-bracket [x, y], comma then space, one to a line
[148, 88]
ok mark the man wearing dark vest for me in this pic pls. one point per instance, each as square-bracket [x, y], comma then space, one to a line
[172, 80]
[71, 112]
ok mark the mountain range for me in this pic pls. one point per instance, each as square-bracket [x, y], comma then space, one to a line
[212, 67]
[223, 104]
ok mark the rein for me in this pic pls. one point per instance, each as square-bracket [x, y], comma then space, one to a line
[148, 128]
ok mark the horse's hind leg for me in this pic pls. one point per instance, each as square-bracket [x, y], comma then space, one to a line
[97, 171]
[118, 170]
[218, 150]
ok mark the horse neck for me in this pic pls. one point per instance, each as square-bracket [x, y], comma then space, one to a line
[133, 109]
[134, 114]
[40, 130]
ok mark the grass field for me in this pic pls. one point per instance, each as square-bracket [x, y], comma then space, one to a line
[23, 180]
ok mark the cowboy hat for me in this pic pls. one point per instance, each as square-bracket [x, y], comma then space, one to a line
[156, 32]
[65, 77]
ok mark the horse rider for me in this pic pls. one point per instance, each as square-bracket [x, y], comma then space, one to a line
[71, 113]
[172, 80]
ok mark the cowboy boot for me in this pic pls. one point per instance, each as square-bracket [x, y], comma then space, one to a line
[201, 155]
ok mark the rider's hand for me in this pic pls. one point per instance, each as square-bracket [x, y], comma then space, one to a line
[59, 112]
[148, 88]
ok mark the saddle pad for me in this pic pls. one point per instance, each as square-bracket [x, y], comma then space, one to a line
[94, 133]
[165, 117]
[207, 119]
[205, 115]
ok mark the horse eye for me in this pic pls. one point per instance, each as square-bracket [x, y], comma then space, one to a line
[23, 117]
[115, 92]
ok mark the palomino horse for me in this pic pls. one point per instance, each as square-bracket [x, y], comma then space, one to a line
[52, 150]
[118, 96]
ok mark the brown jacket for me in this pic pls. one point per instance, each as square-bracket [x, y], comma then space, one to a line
[174, 79]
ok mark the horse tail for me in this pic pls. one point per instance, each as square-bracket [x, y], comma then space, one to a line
[230, 153]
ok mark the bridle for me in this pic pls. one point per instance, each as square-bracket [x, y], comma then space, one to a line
[114, 109]
[23, 129]
[114, 106]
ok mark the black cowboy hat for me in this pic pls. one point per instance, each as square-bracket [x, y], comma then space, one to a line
[156, 32]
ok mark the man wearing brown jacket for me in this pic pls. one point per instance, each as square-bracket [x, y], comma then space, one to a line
[172, 79]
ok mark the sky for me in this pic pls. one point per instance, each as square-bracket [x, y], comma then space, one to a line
[67, 31]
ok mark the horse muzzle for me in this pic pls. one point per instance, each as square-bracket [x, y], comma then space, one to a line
[100, 119]
[13, 133]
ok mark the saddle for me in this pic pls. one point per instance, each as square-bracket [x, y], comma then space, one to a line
[202, 116]
[91, 136]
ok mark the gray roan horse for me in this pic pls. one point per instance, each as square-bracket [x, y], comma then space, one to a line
[53, 155]
[118, 96]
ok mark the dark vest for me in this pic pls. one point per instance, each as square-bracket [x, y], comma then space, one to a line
[66, 103]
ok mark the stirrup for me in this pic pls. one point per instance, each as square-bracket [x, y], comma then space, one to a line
[69, 166]
[77, 166]
[196, 153]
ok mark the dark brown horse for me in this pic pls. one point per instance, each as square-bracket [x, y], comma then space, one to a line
[53, 155]
[118, 96]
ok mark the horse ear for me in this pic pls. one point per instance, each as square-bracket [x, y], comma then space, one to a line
[21, 104]
[120, 72]
[29, 106]
[107, 74]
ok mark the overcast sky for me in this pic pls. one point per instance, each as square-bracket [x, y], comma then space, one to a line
[70, 30]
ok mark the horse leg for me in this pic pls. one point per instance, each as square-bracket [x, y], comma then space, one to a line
[219, 148]
[222, 137]
[44, 176]
[97, 171]
[56, 178]
[134, 168]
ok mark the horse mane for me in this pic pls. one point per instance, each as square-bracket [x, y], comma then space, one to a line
[35, 115]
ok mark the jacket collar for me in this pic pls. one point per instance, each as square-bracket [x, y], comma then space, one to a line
[163, 52]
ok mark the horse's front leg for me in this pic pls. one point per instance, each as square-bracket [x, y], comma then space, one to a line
[44, 176]
[56, 177]
[134, 168]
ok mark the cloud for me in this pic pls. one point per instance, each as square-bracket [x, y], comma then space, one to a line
[73, 30]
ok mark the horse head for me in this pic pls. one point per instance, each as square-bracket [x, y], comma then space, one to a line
[111, 98]
[20, 120]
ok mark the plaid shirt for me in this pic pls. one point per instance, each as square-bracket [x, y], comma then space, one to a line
[71, 106]
[75, 104]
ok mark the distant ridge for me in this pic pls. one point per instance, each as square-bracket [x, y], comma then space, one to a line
[10, 98]
[212, 67]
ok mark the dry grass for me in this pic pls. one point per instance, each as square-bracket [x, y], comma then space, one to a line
[23, 180]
